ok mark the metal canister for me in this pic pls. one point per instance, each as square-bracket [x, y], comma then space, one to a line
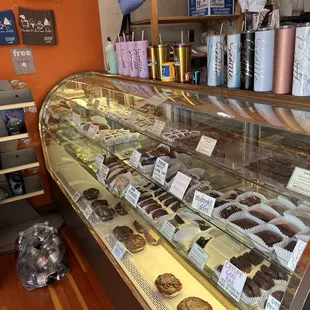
[264, 50]
[182, 60]
[162, 54]
[152, 63]
[301, 76]
[215, 52]
[233, 60]
[247, 40]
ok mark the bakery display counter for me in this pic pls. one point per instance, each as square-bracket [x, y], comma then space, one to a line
[211, 194]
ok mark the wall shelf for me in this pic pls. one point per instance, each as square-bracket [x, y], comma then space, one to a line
[186, 19]
[14, 106]
[14, 137]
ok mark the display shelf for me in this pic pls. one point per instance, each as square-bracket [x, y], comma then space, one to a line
[33, 187]
[14, 137]
[18, 160]
[185, 19]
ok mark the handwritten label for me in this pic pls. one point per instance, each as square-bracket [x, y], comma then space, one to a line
[96, 104]
[47, 117]
[92, 131]
[198, 256]
[103, 173]
[206, 146]
[168, 230]
[135, 158]
[99, 161]
[132, 195]
[296, 255]
[87, 212]
[158, 127]
[118, 251]
[232, 280]
[299, 181]
[179, 185]
[160, 171]
[76, 196]
[272, 303]
[76, 119]
[203, 203]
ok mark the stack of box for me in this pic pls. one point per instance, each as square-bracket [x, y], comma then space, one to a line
[210, 7]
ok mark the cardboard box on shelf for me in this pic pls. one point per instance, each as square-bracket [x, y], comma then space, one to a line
[210, 7]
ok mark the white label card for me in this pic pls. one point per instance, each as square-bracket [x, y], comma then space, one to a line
[179, 185]
[135, 158]
[158, 127]
[76, 196]
[296, 255]
[99, 161]
[87, 212]
[206, 146]
[132, 195]
[103, 173]
[76, 119]
[299, 181]
[272, 303]
[198, 256]
[232, 280]
[160, 171]
[168, 230]
[92, 131]
[118, 251]
[203, 203]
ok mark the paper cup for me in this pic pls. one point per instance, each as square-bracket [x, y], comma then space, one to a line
[279, 206]
[264, 209]
[250, 194]
[294, 224]
[217, 211]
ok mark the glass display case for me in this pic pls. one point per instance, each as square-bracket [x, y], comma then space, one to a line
[200, 199]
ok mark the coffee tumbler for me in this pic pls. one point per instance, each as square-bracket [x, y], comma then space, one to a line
[182, 60]
[151, 57]
[133, 59]
[162, 53]
[125, 58]
[215, 52]
[142, 59]
[119, 57]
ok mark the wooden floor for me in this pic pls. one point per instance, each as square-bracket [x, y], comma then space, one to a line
[78, 290]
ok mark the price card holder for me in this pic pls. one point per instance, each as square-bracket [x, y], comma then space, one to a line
[158, 128]
[76, 119]
[118, 251]
[132, 195]
[76, 196]
[198, 256]
[299, 181]
[203, 203]
[206, 146]
[92, 131]
[87, 212]
[179, 185]
[103, 173]
[168, 230]
[99, 161]
[272, 303]
[232, 280]
[135, 158]
[160, 171]
[296, 255]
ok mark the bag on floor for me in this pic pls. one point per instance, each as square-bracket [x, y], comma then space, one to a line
[41, 257]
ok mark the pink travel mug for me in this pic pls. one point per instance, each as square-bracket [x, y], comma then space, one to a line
[125, 58]
[119, 58]
[133, 59]
[142, 59]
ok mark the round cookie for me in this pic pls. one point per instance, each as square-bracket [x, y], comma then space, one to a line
[99, 203]
[135, 243]
[122, 232]
[194, 303]
[91, 193]
[168, 284]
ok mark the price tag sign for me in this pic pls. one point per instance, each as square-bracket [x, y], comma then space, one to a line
[118, 251]
[299, 181]
[160, 171]
[76, 119]
[76, 196]
[87, 212]
[99, 161]
[179, 185]
[92, 131]
[135, 158]
[96, 104]
[158, 127]
[296, 255]
[203, 203]
[47, 117]
[168, 230]
[232, 280]
[272, 303]
[206, 146]
[198, 256]
[132, 195]
[103, 173]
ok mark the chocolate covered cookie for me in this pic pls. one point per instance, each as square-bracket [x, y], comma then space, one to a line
[91, 193]
[135, 243]
[245, 223]
[269, 237]
[122, 233]
[159, 213]
[119, 208]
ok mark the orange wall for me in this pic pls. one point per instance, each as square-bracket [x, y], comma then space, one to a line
[78, 49]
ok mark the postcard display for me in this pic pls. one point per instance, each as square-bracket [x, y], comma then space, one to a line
[199, 200]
